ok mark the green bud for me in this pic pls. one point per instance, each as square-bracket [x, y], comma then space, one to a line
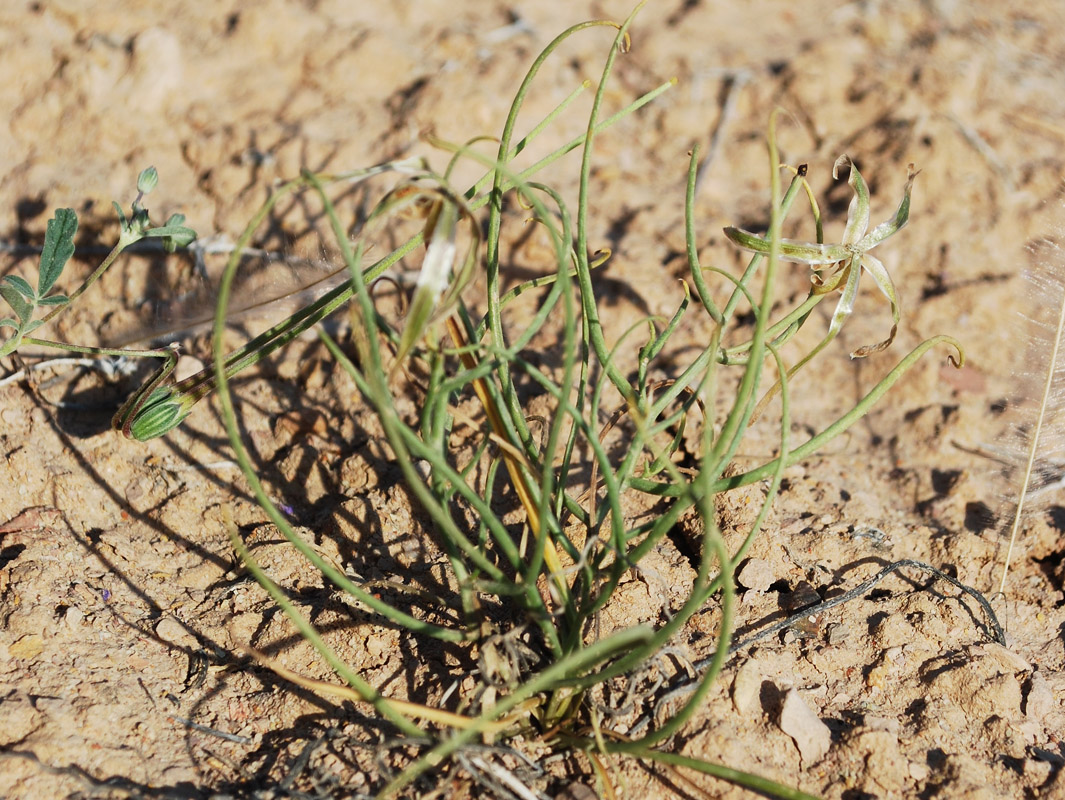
[147, 180]
[163, 411]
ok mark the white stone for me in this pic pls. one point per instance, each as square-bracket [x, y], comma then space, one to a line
[811, 735]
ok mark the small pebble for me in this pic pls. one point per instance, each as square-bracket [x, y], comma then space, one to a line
[756, 574]
[1040, 698]
[919, 772]
[811, 735]
[578, 791]
[746, 687]
[837, 633]
[73, 617]
[1004, 657]
[170, 630]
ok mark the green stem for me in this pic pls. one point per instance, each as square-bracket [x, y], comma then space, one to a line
[817, 442]
[596, 652]
[100, 270]
[380, 703]
[738, 777]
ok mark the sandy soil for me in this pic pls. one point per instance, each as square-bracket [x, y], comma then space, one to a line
[121, 604]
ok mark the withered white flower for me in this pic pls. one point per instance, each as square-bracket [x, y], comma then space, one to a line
[842, 264]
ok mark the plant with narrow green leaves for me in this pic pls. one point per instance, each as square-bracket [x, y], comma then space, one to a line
[556, 571]
[548, 577]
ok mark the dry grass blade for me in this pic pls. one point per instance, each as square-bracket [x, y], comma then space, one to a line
[415, 710]
[1044, 443]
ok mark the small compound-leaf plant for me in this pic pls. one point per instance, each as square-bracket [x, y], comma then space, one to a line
[58, 248]
[23, 298]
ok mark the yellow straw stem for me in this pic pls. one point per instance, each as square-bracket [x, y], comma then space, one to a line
[405, 707]
[513, 464]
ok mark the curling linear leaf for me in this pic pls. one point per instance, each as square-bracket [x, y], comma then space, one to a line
[811, 253]
[879, 273]
[858, 210]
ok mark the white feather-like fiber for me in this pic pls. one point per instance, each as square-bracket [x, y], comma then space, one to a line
[1039, 460]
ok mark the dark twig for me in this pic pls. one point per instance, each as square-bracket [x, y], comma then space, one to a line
[688, 687]
[859, 590]
[229, 737]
